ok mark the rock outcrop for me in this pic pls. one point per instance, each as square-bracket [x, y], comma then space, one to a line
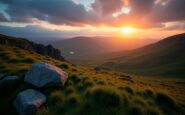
[31, 46]
[42, 74]
[26, 102]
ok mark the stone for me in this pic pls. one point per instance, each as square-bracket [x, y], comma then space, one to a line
[42, 74]
[9, 78]
[28, 101]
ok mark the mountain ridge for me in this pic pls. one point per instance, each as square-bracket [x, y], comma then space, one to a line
[90, 47]
[31, 46]
[164, 52]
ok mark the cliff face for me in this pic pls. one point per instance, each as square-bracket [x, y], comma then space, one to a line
[31, 46]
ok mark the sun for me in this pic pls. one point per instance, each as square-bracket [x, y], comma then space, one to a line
[127, 30]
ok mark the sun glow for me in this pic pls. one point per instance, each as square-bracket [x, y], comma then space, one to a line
[127, 30]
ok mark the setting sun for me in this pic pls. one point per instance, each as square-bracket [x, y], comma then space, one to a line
[127, 30]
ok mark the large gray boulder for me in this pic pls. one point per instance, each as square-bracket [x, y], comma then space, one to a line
[28, 101]
[9, 78]
[42, 74]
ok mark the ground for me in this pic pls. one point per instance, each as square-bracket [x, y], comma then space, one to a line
[91, 92]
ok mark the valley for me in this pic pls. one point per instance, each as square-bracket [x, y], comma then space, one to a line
[128, 92]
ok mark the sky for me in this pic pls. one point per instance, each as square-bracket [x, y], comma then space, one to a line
[70, 18]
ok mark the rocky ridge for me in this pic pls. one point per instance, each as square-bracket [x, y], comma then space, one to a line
[31, 46]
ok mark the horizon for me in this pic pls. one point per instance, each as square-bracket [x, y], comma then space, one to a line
[92, 57]
[153, 19]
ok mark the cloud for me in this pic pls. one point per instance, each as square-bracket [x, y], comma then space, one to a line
[53, 11]
[168, 11]
[2, 17]
[174, 26]
[107, 7]
[34, 31]
[143, 13]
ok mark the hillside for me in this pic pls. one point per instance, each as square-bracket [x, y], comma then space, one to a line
[79, 49]
[31, 46]
[88, 91]
[165, 57]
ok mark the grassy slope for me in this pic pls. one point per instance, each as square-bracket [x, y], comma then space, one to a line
[165, 58]
[88, 92]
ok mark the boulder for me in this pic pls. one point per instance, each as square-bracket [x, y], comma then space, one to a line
[9, 78]
[28, 101]
[42, 74]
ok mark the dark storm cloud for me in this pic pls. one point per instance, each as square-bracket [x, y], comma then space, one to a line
[53, 11]
[143, 12]
[173, 10]
[106, 7]
[2, 17]
[141, 7]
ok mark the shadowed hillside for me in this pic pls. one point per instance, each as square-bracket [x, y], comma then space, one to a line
[165, 57]
[31, 46]
[88, 90]
[79, 49]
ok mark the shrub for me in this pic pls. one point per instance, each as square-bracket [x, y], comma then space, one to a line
[57, 98]
[28, 60]
[107, 96]
[101, 83]
[14, 60]
[70, 90]
[73, 99]
[139, 101]
[75, 79]
[80, 87]
[43, 111]
[74, 70]
[165, 100]
[97, 69]
[63, 66]
[148, 93]
[88, 83]
[129, 90]
[153, 111]
[135, 109]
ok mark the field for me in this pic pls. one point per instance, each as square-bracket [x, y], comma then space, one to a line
[91, 92]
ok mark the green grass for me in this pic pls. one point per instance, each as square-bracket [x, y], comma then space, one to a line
[89, 92]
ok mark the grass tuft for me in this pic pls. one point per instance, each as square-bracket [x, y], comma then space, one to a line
[106, 96]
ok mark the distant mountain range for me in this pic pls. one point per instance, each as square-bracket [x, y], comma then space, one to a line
[87, 48]
[166, 57]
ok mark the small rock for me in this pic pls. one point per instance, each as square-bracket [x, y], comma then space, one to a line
[42, 74]
[9, 78]
[28, 101]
